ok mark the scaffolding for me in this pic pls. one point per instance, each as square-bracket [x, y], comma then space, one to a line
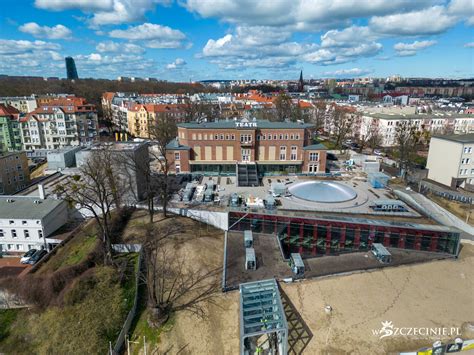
[263, 326]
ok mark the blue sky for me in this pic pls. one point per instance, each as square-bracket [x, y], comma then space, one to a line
[182, 40]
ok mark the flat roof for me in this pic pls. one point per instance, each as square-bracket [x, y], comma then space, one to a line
[401, 116]
[231, 124]
[318, 146]
[24, 207]
[459, 138]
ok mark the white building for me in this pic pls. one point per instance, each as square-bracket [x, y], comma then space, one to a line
[26, 222]
[435, 123]
[451, 160]
[59, 124]
[24, 104]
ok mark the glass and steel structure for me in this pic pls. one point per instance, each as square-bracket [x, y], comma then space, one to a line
[263, 325]
[335, 235]
[322, 191]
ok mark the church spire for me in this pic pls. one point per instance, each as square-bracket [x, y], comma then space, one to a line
[301, 82]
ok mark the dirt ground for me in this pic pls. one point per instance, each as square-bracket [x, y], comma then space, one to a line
[433, 294]
[459, 209]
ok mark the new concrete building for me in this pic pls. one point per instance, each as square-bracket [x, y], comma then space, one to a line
[26, 222]
[14, 173]
[62, 158]
[451, 160]
[130, 160]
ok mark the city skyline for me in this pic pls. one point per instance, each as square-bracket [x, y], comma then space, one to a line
[199, 40]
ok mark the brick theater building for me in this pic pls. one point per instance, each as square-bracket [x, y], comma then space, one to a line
[246, 147]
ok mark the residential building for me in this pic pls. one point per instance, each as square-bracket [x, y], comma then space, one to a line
[10, 132]
[62, 122]
[435, 123]
[26, 222]
[24, 104]
[223, 146]
[14, 173]
[451, 160]
[71, 70]
[141, 117]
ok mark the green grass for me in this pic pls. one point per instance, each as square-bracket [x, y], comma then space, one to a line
[75, 251]
[152, 335]
[128, 285]
[7, 317]
[330, 145]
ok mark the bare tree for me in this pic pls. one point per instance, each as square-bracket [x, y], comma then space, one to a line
[341, 125]
[372, 137]
[97, 188]
[319, 114]
[283, 106]
[171, 286]
[163, 131]
[408, 139]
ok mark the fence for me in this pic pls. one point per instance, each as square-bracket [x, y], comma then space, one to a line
[426, 187]
[120, 342]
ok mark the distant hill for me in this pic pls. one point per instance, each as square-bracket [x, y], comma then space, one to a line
[91, 89]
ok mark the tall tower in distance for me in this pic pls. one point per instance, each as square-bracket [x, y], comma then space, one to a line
[301, 83]
[71, 69]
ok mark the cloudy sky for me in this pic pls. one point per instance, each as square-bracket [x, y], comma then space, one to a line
[186, 40]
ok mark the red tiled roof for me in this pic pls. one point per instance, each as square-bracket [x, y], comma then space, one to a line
[8, 110]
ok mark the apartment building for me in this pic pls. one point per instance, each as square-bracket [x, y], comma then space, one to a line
[437, 123]
[14, 172]
[223, 146]
[451, 160]
[62, 122]
[10, 132]
[141, 116]
[26, 222]
[24, 104]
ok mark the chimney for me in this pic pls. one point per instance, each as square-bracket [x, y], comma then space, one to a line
[41, 191]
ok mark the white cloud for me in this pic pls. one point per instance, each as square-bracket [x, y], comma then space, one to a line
[347, 37]
[156, 36]
[113, 47]
[105, 12]
[348, 73]
[328, 56]
[299, 14]
[55, 32]
[177, 63]
[84, 5]
[410, 49]
[469, 45]
[428, 21]
[8, 46]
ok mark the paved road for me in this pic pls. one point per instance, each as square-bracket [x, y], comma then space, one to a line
[436, 212]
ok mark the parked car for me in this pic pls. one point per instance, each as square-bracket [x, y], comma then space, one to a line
[378, 152]
[27, 256]
[37, 256]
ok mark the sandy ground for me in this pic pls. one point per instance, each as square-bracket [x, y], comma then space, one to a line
[435, 294]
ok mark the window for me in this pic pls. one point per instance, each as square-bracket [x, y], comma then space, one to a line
[233, 137]
[294, 152]
[40, 234]
[13, 233]
[26, 233]
[292, 137]
[286, 136]
[275, 137]
[245, 138]
[19, 247]
[269, 137]
[24, 222]
[281, 137]
[2, 233]
[283, 153]
[216, 136]
[176, 156]
[467, 150]
[11, 222]
[222, 137]
[313, 156]
[297, 136]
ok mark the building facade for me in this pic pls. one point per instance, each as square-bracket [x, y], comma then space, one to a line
[27, 222]
[451, 160]
[386, 125]
[218, 147]
[14, 172]
[24, 104]
[10, 132]
[62, 122]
